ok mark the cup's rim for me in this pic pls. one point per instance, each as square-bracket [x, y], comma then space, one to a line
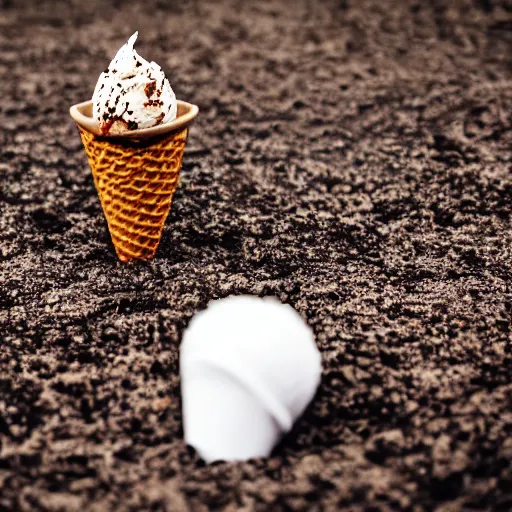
[82, 115]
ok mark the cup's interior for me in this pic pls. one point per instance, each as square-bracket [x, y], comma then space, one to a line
[82, 114]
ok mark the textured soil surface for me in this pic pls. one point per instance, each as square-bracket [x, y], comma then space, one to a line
[352, 159]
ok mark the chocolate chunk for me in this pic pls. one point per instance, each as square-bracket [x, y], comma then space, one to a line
[150, 88]
[153, 103]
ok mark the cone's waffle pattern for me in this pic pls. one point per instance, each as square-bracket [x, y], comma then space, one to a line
[135, 181]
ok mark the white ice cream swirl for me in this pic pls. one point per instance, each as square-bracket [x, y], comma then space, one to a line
[132, 94]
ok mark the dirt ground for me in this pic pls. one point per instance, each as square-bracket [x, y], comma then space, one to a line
[352, 158]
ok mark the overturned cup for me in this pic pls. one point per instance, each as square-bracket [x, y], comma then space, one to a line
[249, 368]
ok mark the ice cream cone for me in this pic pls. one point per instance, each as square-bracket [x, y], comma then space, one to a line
[135, 175]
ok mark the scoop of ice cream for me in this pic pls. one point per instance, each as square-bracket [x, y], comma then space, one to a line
[132, 94]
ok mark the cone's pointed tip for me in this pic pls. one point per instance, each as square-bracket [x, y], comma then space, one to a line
[127, 258]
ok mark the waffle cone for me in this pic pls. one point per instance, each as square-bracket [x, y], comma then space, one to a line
[135, 178]
[135, 182]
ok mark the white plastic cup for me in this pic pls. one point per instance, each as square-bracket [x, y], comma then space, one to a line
[249, 367]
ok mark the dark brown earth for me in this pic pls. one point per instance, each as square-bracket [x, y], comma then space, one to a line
[352, 158]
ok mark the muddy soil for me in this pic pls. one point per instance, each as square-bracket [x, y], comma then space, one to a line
[351, 158]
